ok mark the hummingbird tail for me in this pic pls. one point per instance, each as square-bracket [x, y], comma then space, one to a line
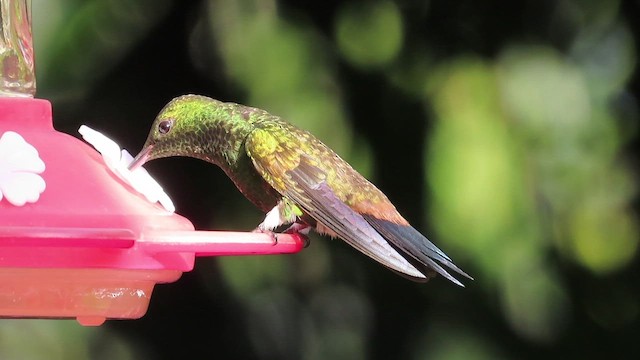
[416, 248]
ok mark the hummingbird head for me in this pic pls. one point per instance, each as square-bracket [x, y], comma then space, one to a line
[175, 130]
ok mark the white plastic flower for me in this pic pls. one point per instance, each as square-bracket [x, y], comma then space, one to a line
[20, 165]
[118, 161]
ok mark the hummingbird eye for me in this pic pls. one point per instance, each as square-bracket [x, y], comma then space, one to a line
[165, 126]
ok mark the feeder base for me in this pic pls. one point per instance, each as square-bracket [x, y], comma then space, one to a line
[89, 295]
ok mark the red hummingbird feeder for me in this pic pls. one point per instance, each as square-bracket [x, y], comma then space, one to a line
[76, 240]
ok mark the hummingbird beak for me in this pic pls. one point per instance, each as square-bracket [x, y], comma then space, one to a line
[141, 158]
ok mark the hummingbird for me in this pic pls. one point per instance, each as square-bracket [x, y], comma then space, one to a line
[298, 181]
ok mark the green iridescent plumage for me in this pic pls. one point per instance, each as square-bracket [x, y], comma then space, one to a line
[295, 178]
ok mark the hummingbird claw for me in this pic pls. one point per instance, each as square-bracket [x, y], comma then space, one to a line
[305, 240]
[272, 235]
[303, 232]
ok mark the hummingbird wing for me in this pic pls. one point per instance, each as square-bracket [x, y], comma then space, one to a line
[324, 206]
[303, 169]
[317, 199]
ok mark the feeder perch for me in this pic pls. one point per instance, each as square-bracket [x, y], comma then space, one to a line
[77, 241]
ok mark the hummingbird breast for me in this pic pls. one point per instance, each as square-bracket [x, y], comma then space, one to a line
[251, 184]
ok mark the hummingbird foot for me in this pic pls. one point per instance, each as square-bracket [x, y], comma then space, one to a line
[305, 240]
[302, 230]
[272, 235]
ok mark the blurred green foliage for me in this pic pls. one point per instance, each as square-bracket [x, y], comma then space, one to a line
[527, 116]
[369, 33]
[59, 340]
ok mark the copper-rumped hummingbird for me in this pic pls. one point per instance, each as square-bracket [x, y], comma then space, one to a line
[295, 179]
